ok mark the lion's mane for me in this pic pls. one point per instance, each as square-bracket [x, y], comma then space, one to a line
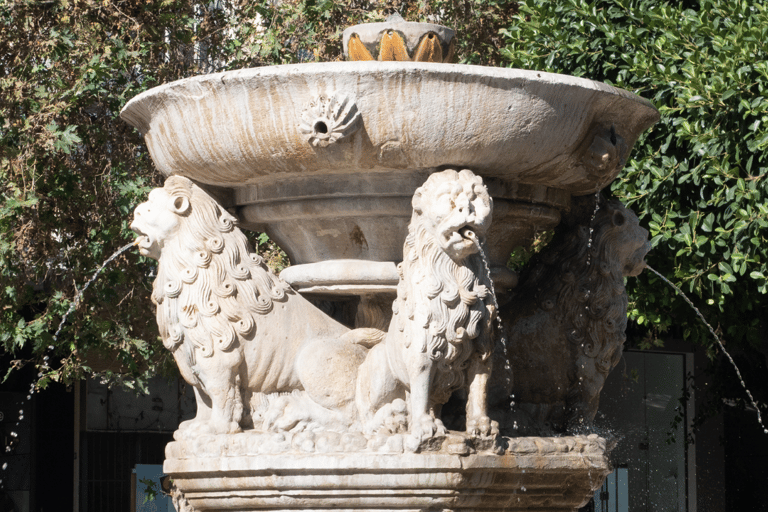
[575, 291]
[210, 286]
[585, 282]
[460, 305]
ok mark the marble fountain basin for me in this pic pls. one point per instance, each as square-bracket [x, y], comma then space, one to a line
[325, 157]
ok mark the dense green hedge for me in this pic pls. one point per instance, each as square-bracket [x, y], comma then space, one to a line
[698, 178]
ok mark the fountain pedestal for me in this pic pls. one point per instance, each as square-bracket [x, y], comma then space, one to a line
[409, 182]
[232, 473]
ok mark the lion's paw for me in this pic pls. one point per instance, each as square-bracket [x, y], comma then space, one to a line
[426, 427]
[392, 418]
[426, 434]
[482, 427]
[195, 428]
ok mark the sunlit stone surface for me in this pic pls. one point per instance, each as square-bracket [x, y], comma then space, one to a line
[402, 187]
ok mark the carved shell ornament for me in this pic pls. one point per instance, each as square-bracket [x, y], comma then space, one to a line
[328, 119]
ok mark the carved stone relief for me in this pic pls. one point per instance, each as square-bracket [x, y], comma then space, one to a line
[329, 118]
[566, 320]
[242, 337]
[262, 357]
[273, 374]
[442, 331]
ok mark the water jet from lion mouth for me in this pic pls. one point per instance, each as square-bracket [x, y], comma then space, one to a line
[11, 444]
[715, 336]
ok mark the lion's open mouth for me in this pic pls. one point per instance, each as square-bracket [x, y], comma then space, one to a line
[460, 241]
[636, 263]
[144, 244]
[143, 241]
[468, 233]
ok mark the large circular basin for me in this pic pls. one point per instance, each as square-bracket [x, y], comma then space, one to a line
[325, 156]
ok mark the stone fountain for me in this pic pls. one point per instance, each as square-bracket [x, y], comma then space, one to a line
[399, 184]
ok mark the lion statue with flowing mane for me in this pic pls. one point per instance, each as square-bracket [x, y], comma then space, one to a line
[442, 331]
[235, 329]
[566, 320]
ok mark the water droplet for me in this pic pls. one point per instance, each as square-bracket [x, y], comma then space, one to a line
[21, 417]
[14, 434]
[29, 397]
[50, 347]
[5, 466]
[8, 449]
[45, 358]
[523, 488]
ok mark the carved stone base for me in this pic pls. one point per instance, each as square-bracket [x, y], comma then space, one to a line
[545, 474]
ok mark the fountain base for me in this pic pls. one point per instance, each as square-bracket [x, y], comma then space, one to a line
[234, 473]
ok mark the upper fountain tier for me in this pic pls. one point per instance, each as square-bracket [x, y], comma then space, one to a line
[325, 157]
[253, 126]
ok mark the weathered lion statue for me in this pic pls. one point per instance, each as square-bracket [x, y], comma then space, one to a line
[236, 331]
[566, 320]
[442, 331]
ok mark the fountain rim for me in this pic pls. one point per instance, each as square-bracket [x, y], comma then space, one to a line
[137, 116]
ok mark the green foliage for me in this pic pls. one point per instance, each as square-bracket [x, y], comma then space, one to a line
[72, 172]
[151, 489]
[698, 178]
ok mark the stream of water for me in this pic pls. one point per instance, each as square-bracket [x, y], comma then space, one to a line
[47, 355]
[719, 342]
[592, 227]
[487, 269]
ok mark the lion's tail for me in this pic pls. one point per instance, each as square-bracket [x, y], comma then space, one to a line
[365, 336]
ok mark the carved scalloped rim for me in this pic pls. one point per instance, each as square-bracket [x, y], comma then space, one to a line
[329, 118]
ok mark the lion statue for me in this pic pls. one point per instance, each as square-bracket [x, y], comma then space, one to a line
[442, 331]
[235, 329]
[566, 320]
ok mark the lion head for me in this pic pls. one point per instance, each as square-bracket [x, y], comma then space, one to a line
[209, 283]
[444, 276]
[455, 208]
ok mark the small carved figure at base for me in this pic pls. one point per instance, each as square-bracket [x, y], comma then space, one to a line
[180, 502]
